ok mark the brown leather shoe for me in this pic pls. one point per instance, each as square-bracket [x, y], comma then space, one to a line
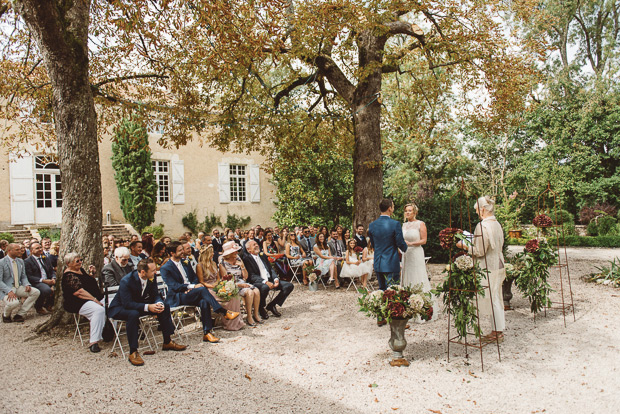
[42, 311]
[230, 315]
[210, 338]
[136, 359]
[172, 346]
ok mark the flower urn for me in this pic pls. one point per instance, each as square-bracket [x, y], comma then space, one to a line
[397, 342]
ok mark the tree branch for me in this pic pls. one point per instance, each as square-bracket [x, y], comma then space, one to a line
[405, 28]
[335, 76]
[286, 91]
[129, 77]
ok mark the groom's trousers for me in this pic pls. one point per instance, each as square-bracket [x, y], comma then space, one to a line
[388, 279]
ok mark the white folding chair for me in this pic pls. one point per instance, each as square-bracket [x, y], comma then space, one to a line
[178, 313]
[295, 270]
[426, 259]
[77, 318]
[320, 278]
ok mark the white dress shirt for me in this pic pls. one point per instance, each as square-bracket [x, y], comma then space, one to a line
[143, 282]
[43, 272]
[183, 274]
[264, 274]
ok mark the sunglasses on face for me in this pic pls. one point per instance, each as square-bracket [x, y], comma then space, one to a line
[78, 260]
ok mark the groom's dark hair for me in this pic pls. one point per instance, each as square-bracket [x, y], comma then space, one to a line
[385, 204]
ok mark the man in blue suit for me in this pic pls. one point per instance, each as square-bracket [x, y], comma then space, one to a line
[183, 289]
[138, 296]
[386, 236]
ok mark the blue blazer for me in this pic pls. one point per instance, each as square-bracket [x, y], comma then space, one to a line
[129, 295]
[174, 280]
[386, 236]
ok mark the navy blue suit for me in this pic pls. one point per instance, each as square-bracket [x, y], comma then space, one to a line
[178, 295]
[128, 305]
[33, 271]
[386, 236]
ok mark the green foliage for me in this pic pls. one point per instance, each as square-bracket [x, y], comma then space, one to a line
[562, 217]
[578, 241]
[607, 226]
[318, 188]
[211, 221]
[190, 221]
[52, 233]
[459, 289]
[157, 231]
[607, 275]
[236, 222]
[532, 270]
[8, 237]
[133, 172]
[593, 228]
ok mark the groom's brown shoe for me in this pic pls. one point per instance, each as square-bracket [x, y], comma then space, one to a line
[136, 359]
[210, 338]
[173, 346]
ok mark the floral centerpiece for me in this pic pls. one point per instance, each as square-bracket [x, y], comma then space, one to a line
[542, 221]
[459, 287]
[448, 237]
[358, 249]
[532, 272]
[312, 272]
[397, 302]
[226, 289]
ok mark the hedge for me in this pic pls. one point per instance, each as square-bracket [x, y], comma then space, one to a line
[578, 241]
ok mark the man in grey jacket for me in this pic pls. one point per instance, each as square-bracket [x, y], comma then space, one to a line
[14, 284]
[114, 271]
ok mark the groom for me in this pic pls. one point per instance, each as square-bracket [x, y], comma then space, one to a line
[386, 236]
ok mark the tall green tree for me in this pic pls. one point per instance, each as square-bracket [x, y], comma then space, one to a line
[133, 172]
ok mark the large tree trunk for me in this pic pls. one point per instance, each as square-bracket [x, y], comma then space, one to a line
[60, 29]
[367, 153]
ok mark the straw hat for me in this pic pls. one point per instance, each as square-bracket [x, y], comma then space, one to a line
[229, 248]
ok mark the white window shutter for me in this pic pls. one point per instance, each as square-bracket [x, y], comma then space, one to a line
[255, 183]
[178, 182]
[224, 182]
[21, 172]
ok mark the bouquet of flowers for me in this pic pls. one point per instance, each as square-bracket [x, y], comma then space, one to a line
[312, 272]
[226, 289]
[542, 221]
[448, 236]
[459, 287]
[358, 249]
[533, 270]
[397, 302]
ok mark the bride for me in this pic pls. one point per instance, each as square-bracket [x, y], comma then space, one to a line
[413, 264]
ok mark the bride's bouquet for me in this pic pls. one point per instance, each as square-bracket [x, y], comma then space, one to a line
[226, 289]
[397, 302]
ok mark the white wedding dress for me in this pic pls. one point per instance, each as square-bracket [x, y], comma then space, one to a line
[413, 264]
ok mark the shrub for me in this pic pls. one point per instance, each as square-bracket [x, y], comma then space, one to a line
[211, 221]
[562, 217]
[578, 241]
[234, 222]
[53, 234]
[607, 226]
[190, 220]
[133, 172]
[593, 228]
[587, 214]
[157, 231]
[8, 237]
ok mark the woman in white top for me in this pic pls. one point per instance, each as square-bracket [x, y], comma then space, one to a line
[413, 264]
[353, 266]
[487, 252]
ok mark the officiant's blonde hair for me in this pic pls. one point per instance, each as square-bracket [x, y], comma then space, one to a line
[415, 210]
[486, 203]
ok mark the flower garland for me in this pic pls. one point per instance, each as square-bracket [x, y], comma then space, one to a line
[459, 287]
[397, 302]
[532, 272]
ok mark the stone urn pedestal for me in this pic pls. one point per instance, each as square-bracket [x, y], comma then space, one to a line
[507, 293]
[313, 286]
[397, 342]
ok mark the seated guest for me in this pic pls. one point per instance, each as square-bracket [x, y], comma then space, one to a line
[306, 241]
[296, 255]
[198, 242]
[106, 255]
[250, 237]
[82, 295]
[353, 266]
[189, 256]
[41, 275]
[360, 239]
[26, 249]
[158, 254]
[208, 276]
[259, 236]
[54, 252]
[271, 249]
[261, 275]
[14, 284]
[117, 268]
[166, 240]
[183, 290]
[282, 240]
[138, 296]
[324, 262]
[133, 238]
[231, 264]
[346, 236]
[147, 244]
[3, 245]
[230, 236]
[135, 255]
[368, 260]
[217, 244]
[46, 243]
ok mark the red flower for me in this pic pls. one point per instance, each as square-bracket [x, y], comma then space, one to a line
[532, 246]
[358, 249]
[542, 220]
[396, 309]
[429, 314]
[228, 277]
[447, 237]
[389, 294]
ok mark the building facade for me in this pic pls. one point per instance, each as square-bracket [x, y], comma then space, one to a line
[191, 178]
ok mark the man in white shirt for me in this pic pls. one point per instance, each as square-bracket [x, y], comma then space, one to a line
[262, 275]
[41, 275]
[14, 284]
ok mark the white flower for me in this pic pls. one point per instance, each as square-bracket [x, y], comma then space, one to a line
[230, 286]
[447, 268]
[509, 267]
[312, 277]
[416, 302]
[542, 239]
[464, 262]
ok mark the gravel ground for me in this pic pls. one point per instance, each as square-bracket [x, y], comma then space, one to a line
[323, 356]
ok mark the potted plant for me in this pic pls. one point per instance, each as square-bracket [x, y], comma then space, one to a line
[397, 304]
[313, 277]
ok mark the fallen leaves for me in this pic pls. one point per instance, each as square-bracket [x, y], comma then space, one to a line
[373, 385]
[248, 377]
[434, 411]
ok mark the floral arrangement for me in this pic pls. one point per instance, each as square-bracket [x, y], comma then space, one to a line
[459, 287]
[312, 272]
[397, 302]
[532, 272]
[448, 236]
[542, 220]
[226, 289]
[358, 249]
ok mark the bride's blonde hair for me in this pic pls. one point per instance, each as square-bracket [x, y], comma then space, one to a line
[415, 210]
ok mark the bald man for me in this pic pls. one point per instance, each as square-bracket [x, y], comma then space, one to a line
[14, 284]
